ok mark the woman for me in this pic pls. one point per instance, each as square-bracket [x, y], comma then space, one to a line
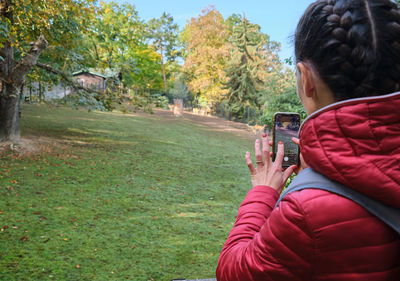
[348, 75]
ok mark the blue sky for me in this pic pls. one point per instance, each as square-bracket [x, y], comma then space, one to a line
[277, 18]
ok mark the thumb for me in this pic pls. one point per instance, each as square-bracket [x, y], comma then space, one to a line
[288, 172]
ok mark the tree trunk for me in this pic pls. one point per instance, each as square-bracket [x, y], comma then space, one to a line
[9, 97]
[163, 71]
[12, 77]
[9, 113]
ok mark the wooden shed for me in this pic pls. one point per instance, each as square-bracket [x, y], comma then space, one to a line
[91, 79]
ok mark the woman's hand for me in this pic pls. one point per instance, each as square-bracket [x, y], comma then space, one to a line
[267, 172]
[303, 164]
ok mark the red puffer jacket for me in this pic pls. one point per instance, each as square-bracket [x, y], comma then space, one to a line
[317, 235]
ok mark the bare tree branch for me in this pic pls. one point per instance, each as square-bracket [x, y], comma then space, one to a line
[25, 65]
[67, 78]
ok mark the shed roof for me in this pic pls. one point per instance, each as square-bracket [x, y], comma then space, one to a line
[108, 73]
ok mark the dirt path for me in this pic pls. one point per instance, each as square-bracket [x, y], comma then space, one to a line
[215, 123]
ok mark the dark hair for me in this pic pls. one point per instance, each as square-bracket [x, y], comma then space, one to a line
[353, 44]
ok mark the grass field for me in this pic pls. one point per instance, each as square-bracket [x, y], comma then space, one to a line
[118, 197]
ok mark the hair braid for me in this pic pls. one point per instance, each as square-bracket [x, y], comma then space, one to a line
[354, 44]
[390, 65]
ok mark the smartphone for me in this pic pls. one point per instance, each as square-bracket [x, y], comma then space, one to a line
[286, 126]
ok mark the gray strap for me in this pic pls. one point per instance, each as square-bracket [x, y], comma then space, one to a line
[310, 179]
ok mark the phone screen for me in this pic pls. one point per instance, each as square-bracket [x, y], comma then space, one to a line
[286, 126]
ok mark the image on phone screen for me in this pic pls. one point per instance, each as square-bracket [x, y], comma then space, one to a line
[286, 126]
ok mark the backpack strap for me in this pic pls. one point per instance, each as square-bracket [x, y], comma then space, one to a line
[310, 179]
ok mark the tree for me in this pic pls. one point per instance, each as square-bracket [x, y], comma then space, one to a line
[282, 96]
[147, 74]
[247, 68]
[38, 22]
[180, 90]
[120, 41]
[163, 33]
[206, 55]
[117, 35]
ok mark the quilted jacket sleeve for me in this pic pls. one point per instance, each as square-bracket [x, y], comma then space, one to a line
[267, 243]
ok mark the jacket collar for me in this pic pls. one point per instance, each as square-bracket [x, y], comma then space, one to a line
[339, 104]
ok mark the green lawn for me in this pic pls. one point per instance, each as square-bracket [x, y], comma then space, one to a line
[118, 197]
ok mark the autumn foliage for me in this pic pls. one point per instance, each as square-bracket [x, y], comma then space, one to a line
[219, 61]
[207, 55]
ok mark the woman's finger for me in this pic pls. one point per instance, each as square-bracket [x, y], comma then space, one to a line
[250, 164]
[279, 155]
[266, 152]
[296, 141]
[257, 147]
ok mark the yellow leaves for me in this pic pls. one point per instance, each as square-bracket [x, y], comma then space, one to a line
[208, 52]
[150, 53]
[32, 18]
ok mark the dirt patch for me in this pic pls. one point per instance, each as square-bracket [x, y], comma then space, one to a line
[213, 123]
[29, 146]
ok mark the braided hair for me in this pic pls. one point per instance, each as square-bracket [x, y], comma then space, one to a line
[353, 44]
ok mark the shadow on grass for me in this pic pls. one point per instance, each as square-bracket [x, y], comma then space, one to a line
[123, 197]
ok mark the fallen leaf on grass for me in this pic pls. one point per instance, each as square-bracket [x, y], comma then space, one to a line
[24, 238]
[78, 266]
[46, 239]
[14, 181]
[133, 247]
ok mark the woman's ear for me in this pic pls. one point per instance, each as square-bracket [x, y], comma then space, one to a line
[313, 92]
[307, 79]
